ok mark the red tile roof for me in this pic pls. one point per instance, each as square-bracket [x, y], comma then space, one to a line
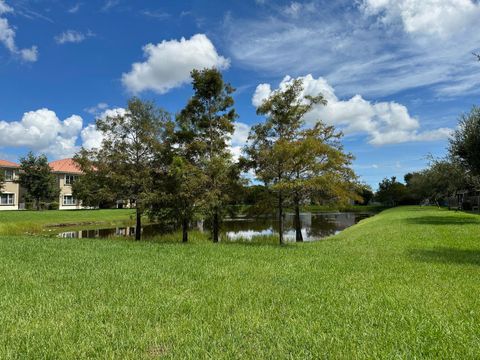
[6, 163]
[65, 166]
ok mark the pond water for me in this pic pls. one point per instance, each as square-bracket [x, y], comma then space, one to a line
[315, 226]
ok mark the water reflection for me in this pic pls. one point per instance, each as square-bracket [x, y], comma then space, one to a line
[314, 227]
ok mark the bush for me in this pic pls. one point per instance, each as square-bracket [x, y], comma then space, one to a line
[53, 206]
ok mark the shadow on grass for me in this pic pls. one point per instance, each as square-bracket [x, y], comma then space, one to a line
[442, 220]
[445, 255]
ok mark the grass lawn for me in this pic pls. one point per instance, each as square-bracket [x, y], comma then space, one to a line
[402, 284]
[21, 222]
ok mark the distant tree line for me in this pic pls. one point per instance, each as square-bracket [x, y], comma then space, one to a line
[444, 177]
[176, 169]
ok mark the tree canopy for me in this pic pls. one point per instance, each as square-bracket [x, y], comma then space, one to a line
[204, 128]
[465, 143]
[36, 177]
[125, 163]
[295, 162]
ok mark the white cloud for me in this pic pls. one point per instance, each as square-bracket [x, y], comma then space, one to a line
[91, 137]
[4, 8]
[383, 122]
[42, 131]
[441, 18]
[169, 63]
[72, 36]
[378, 51]
[239, 139]
[95, 110]
[7, 37]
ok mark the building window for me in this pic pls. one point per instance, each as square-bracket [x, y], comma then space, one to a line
[7, 199]
[9, 174]
[69, 200]
[70, 179]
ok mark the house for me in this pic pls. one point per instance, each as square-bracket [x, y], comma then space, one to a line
[11, 194]
[66, 172]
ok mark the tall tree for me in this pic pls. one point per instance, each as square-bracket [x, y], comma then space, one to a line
[465, 143]
[205, 126]
[178, 196]
[319, 169]
[287, 158]
[36, 177]
[125, 163]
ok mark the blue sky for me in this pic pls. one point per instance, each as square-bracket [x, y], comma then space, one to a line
[396, 73]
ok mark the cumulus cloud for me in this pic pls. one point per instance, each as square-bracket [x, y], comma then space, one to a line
[42, 131]
[7, 37]
[169, 63]
[383, 122]
[239, 139]
[72, 36]
[91, 137]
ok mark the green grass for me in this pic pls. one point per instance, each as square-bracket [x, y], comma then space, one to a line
[27, 222]
[404, 284]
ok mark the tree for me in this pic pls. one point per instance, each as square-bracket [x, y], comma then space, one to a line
[93, 188]
[465, 142]
[390, 191]
[440, 180]
[317, 169]
[124, 165]
[180, 195]
[205, 126]
[366, 193]
[294, 162]
[36, 177]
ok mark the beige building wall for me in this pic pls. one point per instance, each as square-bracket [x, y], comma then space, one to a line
[66, 193]
[11, 188]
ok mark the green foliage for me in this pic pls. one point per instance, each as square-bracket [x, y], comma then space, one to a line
[465, 143]
[124, 167]
[440, 180]
[36, 177]
[391, 192]
[298, 164]
[366, 194]
[402, 284]
[204, 128]
[178, 197]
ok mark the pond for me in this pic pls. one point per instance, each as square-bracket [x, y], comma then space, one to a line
[315, 226]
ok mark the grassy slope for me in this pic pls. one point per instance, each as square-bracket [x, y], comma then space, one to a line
[403, 284]
[20, 222]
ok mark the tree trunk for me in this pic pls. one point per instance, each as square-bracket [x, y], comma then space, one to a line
[185, 230]
[215, 227]
[298, 223]
[38, 203]
[280, 218]
[138, 228]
